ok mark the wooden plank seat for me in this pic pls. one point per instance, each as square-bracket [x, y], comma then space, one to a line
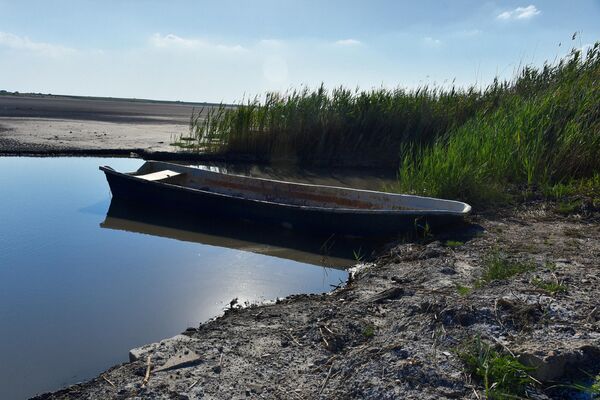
[159, 175]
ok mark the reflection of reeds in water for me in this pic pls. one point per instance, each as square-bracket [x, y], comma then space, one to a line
[541, 129]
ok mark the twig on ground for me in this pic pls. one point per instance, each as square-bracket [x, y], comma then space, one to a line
[503, 346]
[326, 379]
[475, 392]
[107, 380]
[323, 337]
[294, 339]
[319, 368]
[148, 368]
[328, 330]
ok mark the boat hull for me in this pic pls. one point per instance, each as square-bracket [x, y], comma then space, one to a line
[322, 220]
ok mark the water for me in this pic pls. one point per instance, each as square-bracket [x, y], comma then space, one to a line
[79, 288]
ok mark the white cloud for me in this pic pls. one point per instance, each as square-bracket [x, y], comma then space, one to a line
[173, 41]
[24, 43]
[520, 13]
[432, 42]
[348, 42]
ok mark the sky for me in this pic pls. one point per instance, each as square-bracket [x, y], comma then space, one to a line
[230, 50]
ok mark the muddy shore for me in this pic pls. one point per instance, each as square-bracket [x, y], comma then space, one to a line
[57, 125]
[395, 330]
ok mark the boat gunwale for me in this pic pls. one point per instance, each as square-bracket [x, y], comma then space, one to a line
[418, 212]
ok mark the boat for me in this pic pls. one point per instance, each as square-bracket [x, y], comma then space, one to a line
[302, 206]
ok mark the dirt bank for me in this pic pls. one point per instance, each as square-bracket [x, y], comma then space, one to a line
[401, 325]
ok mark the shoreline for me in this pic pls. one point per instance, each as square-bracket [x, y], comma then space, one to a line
[397, 327]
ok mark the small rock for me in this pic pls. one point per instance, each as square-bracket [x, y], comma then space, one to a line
[400, 279]
[388, 294]
[448, 271]
[554, 364]
[255, 388]
[139, 353]
[180, 360]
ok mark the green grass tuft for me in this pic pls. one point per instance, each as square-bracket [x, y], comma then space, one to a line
[463, 290]
[502, 375]
[369, 331]
[549, 286]
[454, 243]
[568, 207]
[498, 267]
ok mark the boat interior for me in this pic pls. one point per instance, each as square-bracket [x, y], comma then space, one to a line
[288, 192]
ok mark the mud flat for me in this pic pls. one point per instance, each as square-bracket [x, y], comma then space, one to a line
[401, 326]
[62, 125]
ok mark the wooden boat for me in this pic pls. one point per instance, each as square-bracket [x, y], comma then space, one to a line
[324, 209]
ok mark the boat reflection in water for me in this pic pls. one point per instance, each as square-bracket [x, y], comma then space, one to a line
[329, 251]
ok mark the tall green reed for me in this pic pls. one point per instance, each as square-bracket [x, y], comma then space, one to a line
[541, 128]
[545, 131]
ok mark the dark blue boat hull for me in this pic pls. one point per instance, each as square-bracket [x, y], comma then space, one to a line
[165, 196]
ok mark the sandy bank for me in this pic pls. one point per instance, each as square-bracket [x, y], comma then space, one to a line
[61, 125]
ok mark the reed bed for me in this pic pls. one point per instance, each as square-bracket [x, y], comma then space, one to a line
[543, 135]
[539, 130]
[341, 126]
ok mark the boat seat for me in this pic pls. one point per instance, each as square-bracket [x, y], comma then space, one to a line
[159, 175]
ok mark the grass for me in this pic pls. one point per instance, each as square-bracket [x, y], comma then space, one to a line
[309, 126]
[544, 132]
[502, 375]
[499, 267]
[454, 243]
[564, 193]
[463, 290]
[369, 331]
[549, 286]
[358, 256]
[568, 207]
[590, 387]
[539, 132]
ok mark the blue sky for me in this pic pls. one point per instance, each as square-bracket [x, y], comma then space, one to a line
[227, 50]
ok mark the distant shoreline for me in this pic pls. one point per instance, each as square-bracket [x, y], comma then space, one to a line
[57, 125]
[105, 98]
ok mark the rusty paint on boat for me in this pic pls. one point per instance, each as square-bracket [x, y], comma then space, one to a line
[290, 204]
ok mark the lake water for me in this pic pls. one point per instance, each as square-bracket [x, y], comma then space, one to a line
[79, 288]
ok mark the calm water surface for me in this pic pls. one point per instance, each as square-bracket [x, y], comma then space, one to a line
[75, 296]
